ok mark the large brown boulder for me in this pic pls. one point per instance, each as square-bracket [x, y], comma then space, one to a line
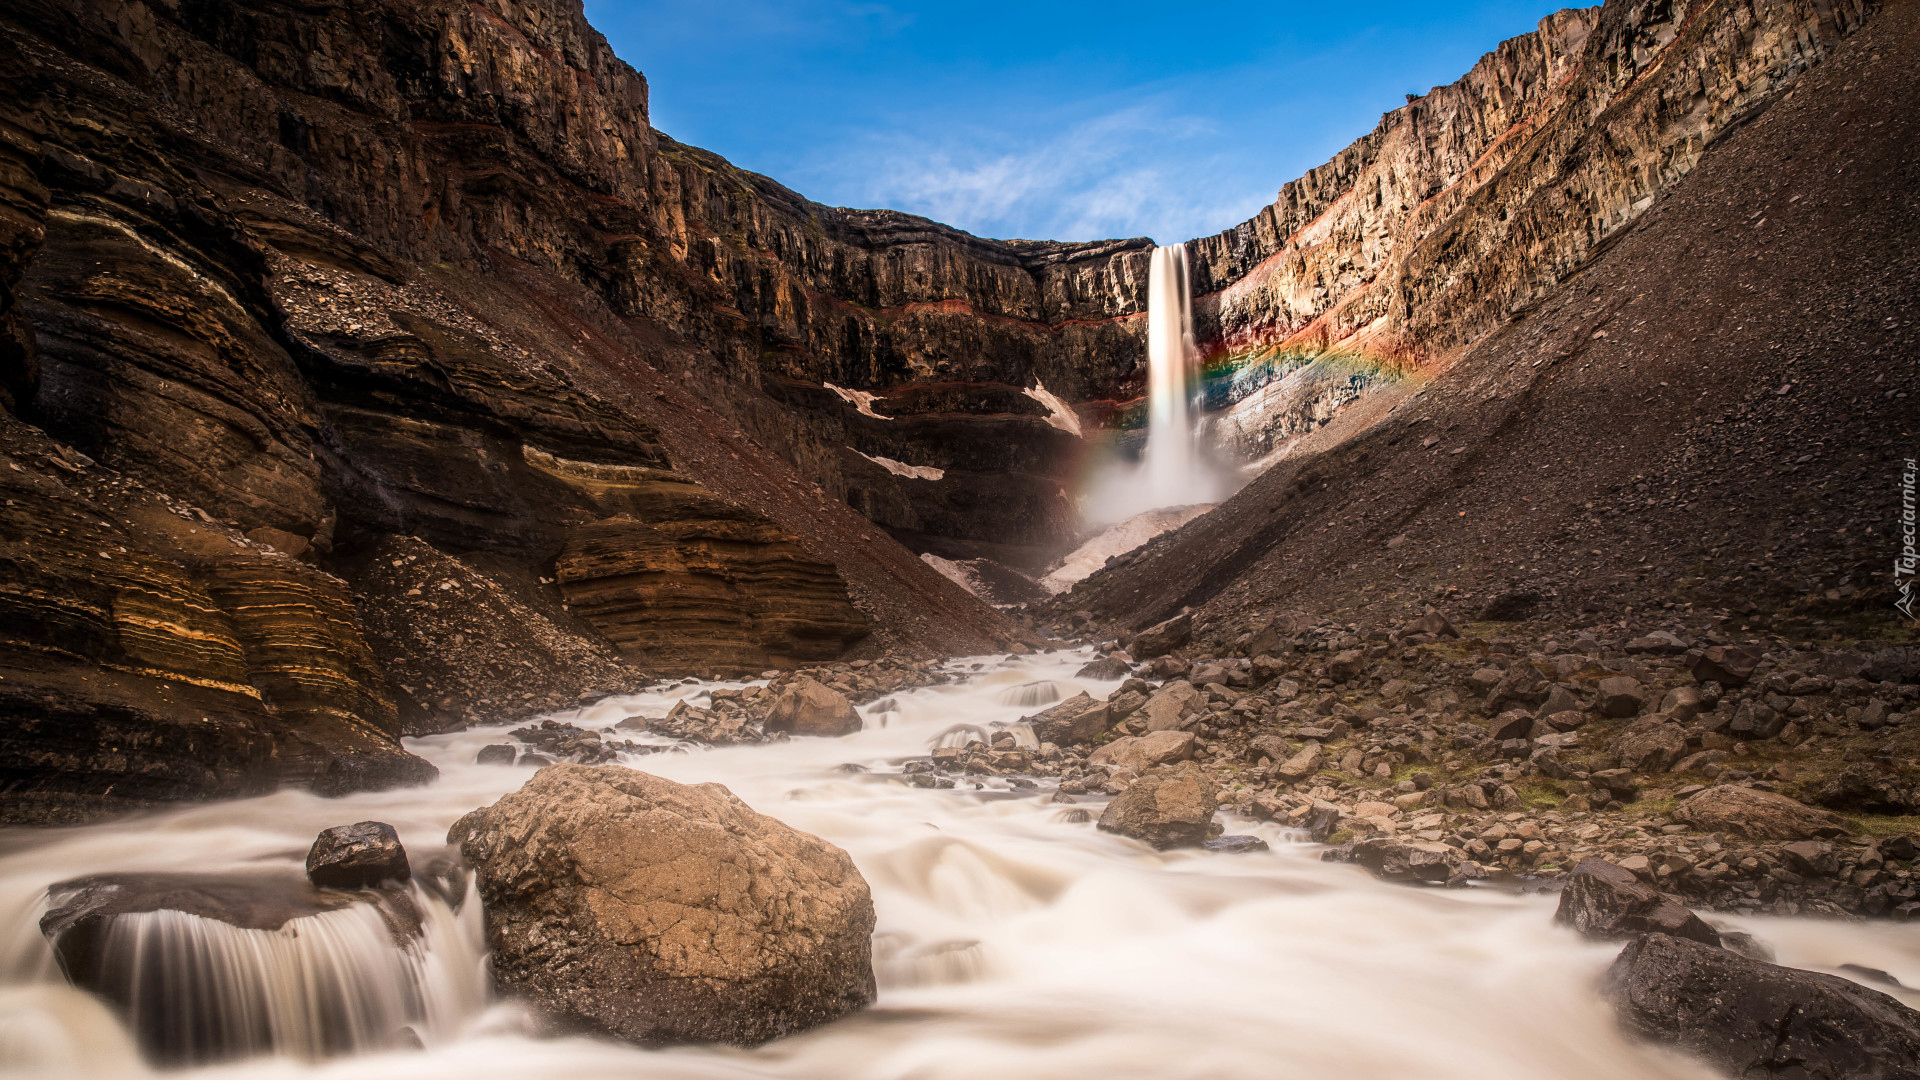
[1163, 637]
[1758, 815]
[1145, 751]
[1075, 720]
[659, 912]
[1167, 808]
[1173, 705]
[1755, 1019]
[1602, 900]
[808, 707]
[1650, 745]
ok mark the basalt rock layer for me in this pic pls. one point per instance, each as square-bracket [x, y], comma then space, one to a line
[1476, 200]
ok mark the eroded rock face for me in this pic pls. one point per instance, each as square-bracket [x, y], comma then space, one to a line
[716, 588]
[465, 638]
[153, 654]
[1754, 1019]
[658, 912]
[303, 333]
[1170, 807]
[1468, 201]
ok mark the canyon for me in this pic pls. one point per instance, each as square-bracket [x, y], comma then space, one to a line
[328, 326]
[412, 459]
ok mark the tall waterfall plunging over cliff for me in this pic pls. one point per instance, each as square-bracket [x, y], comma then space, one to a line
[1170, 462]
[1174, 469]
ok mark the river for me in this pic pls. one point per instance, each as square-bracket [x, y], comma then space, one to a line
[1014, 939]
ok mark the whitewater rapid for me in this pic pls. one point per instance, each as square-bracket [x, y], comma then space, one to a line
[1014, 939]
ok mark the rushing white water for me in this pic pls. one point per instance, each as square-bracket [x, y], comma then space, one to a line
[1013, 939]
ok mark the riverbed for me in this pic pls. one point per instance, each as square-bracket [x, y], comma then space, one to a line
[1014, 939]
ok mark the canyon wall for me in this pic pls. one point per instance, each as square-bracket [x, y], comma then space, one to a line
[358, 360]
[1476, 199]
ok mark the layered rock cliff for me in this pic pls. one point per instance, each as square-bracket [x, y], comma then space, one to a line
[1474, 200]
[399, 314]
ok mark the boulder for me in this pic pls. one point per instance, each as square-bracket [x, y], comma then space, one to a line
[1431, 623]
[1660, 642]
[1408, 860]
[1162, 638]
[1682, 703]
[1308, 761]
[1898, 664]
[1104, 669]
[1143, 752]
[1751, 1018]
[1512, 724]
[1621, 696]
[707, 726]
[1172, 706]
[1758, 815]
[1602, 900]
[496, 754]
[1753, 720]
[1482, 681]
[1171, 807]
[358, 856]
[1346, 665]
[1728, 665]
[807, 707]
[1522, 685]
[1559, 699]
[656, 912]
[1650, 745]
[1073, 721]
[1235, 845]
[1272, 747]
[1814, 858]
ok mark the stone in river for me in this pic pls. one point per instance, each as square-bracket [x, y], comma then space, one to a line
[807, 707]
[658, 912]
[1753, 1019]
[358, 856]
[1168, 807]
[1602, 900]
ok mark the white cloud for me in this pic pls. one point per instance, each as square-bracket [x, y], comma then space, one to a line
[1141, 170]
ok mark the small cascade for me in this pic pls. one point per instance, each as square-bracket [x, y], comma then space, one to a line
[1027, 695]
[365, 976]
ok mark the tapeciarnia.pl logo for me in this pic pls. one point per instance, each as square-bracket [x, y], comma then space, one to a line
[1904, 564]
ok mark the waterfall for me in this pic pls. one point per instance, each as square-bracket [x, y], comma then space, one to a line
[1170, 473]
[193, 989]
[1174, 469]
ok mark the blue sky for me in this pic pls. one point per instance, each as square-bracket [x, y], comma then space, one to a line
[1059, 121]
